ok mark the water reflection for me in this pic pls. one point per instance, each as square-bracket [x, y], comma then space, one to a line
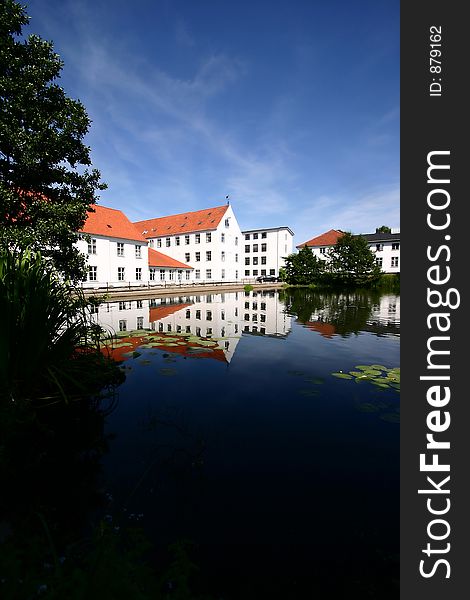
[210, 326]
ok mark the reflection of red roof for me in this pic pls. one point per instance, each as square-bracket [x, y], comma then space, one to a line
[325, 239]
[326, 330]
[199, 220]
[165, 310]
[157, 259]
[110, 222]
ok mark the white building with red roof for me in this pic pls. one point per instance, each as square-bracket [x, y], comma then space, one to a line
[117, 253]
[208, 240]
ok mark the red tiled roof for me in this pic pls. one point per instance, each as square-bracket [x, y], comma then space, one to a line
[157, 259]
[326, 330]
[110, 222]
[165, 310]
[199, 220]
[325, 239]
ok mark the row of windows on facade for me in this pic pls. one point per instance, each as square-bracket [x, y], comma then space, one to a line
[119, 248]
[198, 330]
[377, 248]
[393, 261]
[255, 235]
[255, 272]
[255, 248]
[178, 239]
[164, 275]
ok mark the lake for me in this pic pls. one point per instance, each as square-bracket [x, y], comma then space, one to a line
[241, 429]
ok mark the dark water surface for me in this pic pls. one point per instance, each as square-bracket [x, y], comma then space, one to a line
[284, 478]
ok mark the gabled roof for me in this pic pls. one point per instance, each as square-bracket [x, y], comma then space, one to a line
[110, 222]
[199, 220]
[157, 259]
[325, 239]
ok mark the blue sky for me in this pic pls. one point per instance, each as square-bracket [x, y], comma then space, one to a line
[290, 108]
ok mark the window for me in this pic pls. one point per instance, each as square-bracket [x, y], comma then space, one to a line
[92, 273]
[264, 247]
[263, 271]
[151, 242]
[247, 317]
[208, 274]
[394, 261]
[379, 247]
[171, 274]
[263, 260]
[198, 331]
[223, 274]
[255, 272]
[177, 240]
[186, 239]
[188, 313]
[263, 305]
[254, 318]
[222, 237]
[180, 274]
[138, 251]
[168, 327]
[198, 257]
[197, 274]
[236, 241]
[272, 271]
[379, 262]
[209, 332]
[138, 274]
[152, 274]
[159, 243]
[227, 222]
[255, 306]
[198, 315]
[187, 257]
[222, 316]
[120, 273]
[92, 247]
[140, 322]
[396, 246]
[247, 305]
[208, 237]
[188, 328]
[255, 236]
[188, 274]
[236, 274]
[120, 249]
[255, 247]
[247, 236]
[263, 235]
[208, 315]
[123, 325]
[167, 242]
[208, 255]
[322, 250]
[236, 257]
[247, 260]
[139, 304]
[255, 260]
[262, 318]
[247, 273]
[162, 274]
[197, 238]
[222, 256]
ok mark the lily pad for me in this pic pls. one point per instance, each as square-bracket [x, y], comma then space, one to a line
[316, 380]
[379, 367]
[342, 375]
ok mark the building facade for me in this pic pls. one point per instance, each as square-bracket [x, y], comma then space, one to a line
[117, 254]
[264, 250]
[385, 246]
[209, 241]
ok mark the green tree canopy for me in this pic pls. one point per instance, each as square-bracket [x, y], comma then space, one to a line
[303, 268]
[46, 185]
[352, 262]
[383, 229]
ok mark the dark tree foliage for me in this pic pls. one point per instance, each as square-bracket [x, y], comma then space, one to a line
[46, 181]
[352, 262]
[303, 268]
[383, 229]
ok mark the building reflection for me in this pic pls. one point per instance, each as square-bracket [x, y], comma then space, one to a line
[221, 318]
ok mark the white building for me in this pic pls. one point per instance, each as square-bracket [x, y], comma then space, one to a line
[208, 240]
[164, 269]
[117, 253]
[265, 250]
[385, 246]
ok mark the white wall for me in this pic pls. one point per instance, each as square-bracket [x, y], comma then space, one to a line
[106, 260]
[279, 243]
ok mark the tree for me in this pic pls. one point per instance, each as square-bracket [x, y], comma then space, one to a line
[352, 262]
[383, 229]
[303, 268]
[46, 187]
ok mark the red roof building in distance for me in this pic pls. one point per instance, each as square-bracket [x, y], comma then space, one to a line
[159, 260]
[199, 220]
[110, 222]
[325, 239]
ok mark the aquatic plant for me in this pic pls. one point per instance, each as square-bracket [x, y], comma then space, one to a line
[379, 375]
